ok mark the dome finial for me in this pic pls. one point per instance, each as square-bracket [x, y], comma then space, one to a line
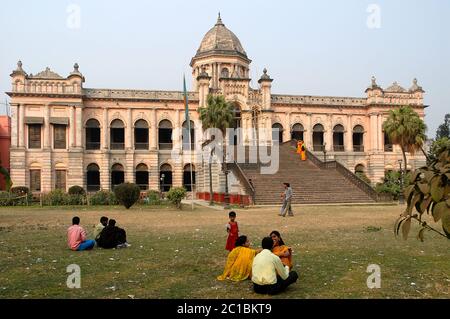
[219, 20]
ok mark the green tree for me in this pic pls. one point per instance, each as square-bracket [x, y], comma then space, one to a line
[217, 114]
[406, 129]
[437, 147]
[444, 129]
[429, 192]
[127, 194]
[175, 195]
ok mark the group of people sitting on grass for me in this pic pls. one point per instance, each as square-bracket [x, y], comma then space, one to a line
[106, 233]
[269, 268]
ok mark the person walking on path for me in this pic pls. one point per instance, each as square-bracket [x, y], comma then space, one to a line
[287, 199]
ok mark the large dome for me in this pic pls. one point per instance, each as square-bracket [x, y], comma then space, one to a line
[220, 40]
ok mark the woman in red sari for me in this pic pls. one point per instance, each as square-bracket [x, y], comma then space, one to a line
[233, 232]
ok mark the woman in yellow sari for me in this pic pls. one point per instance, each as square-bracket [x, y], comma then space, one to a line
[281, 250]
[239, 261]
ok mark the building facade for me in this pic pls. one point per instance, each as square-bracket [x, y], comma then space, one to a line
[65, 134]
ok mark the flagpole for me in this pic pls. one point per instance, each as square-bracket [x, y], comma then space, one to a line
[188, 119]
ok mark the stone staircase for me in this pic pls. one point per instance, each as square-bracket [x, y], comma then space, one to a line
[311, 184]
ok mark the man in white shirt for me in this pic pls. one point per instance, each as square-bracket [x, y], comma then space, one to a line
[269, 275]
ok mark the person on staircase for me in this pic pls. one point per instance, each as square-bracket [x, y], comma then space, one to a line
[301, 149]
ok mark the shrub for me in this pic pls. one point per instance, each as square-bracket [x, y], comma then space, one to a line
[20, 195]
[76, 199]
[20, 190]
[103, 198]
[127, 194]
[152, 198]
[56, 197]
[5, 198]
[175, 195]
[76, 190]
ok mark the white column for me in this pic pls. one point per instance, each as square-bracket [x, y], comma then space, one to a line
[380, 132]
[329, 134]
[177, 131]
[373, 132]
[287, 128]
[15, 117]
[78, 126]
[129, 129]
[72, 126]
[349, 135]
[307, 135]
[153, 130]
[105, 129]
[21, 126]
[47, 126]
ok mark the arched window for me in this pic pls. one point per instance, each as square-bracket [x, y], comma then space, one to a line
[277, 133]
[318, 140]
[141, 135]
[165, 135]
[93, 178]
[236, 125]
[117, 175]
[338, 138]
[117, 135]
[142, 176]
[297, 132]
[92, 135]
[187, 177]
[388, 147]
[225, 73]
[185, 136]
[358, 138]
[359, 168]
[165, 177]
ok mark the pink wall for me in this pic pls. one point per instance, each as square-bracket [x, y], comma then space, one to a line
[5, 143]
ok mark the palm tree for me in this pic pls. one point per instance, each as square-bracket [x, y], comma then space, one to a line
[217, 114]
[405, 128]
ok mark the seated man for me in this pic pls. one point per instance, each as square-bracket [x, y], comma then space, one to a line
[112, 236]
[269, 275]
[98, 229]
[76, 236]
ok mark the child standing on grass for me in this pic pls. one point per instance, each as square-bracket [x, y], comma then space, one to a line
[233, 231]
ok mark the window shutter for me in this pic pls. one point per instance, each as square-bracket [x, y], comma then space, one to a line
[59, 136]
[35, 180]
[34, 136]
[60, 180]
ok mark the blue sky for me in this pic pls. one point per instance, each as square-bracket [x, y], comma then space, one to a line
[309, 47]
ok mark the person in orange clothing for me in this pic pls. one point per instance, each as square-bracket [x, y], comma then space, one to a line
[281, 250]
[301, 149]
[233, 231]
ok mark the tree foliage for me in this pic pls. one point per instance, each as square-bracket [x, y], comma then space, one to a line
[217, 114]
[430, 193]
[444, 129]
[176, 195]
[437, 147]
[127, 194]
[406, 129]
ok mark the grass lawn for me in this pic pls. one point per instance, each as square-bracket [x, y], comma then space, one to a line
[179, 254]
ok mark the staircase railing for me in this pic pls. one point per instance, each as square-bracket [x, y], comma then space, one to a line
[249, 188]
[349, 175]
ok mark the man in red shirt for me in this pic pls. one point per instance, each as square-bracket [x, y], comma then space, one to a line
[76, 237]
